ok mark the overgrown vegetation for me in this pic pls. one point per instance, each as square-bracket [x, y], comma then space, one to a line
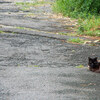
[68, 34]
[76, 40]
[87, 12]
[32, 3]
[89, 26]
[80, 66]
[27, 5]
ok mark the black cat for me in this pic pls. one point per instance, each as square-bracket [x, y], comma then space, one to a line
[94, 64]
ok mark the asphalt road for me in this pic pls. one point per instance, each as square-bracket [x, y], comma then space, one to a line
[36, 66]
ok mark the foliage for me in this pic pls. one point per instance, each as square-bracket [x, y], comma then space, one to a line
[80, 66]
[28, 4]
[89, 26]
[1, 31]
[87, 12]
[76, 40]
[77, 8]
[68, 34]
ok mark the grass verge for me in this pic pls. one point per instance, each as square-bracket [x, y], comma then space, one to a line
[1, 31]
[80, 66]
[87, 13]
[32, 3]
[76, 40]
[68, 34]
[28, 5]
[89, 26]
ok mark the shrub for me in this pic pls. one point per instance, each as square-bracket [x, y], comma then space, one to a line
[87, 11]
[77, 8]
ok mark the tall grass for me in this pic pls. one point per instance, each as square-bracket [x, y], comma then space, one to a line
[89, 26]
[77, 8]
[86, 11]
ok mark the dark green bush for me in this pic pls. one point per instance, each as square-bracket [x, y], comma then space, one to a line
[75, 8]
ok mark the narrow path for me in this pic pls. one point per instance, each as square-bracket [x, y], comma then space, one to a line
[38, 65]
[37, 18]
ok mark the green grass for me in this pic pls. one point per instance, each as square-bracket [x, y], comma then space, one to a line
[25, 28]
[68, 34]
[59, 7]
[32, 4]
[89, 27]
[80, 66]
[26, 5]
[1, 31]
[20, 27]
[33, 66]
[76, 40]
[87, 13]
[77, 8]
[5, 32]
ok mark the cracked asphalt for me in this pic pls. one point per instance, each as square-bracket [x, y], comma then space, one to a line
[38, 65]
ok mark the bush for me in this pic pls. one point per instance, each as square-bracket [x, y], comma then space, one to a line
[89, 26]
[87, 12]
[77, 8]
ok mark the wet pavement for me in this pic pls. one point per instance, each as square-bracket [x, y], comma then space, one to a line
[37, 65]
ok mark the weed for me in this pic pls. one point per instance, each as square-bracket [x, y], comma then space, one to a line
[68, 34]
[13, 32]
[25, 28]
[76, 40]
[62, 33]
[33, 66]
[1, 31]
[26, 6]
[89, 26]
[36, 66]
[87, 12]
[32, 3]
[77, 8]
[20, 27]
[80, 66]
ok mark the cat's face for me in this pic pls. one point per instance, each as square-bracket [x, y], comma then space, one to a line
[93, 63]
